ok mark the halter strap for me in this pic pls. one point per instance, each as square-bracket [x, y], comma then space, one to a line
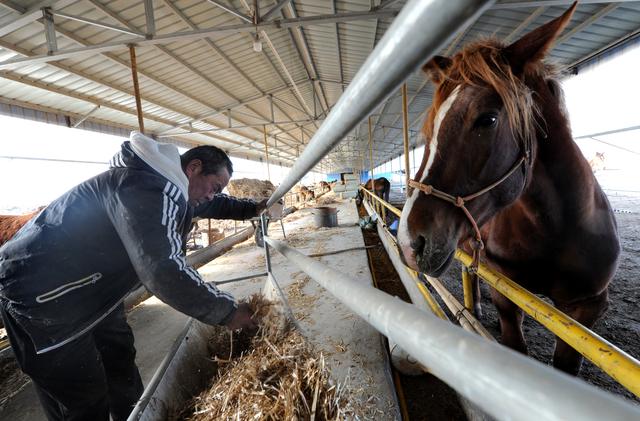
[460, 202]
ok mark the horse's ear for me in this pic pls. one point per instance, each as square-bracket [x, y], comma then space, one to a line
[533, 46]
[436, 68]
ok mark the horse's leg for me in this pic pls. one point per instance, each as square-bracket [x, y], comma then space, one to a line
[511, 317]
[586, 312]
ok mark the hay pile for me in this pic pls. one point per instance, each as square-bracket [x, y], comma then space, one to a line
[250, 188]
[12, 380]
[327, 200]
[277, 378]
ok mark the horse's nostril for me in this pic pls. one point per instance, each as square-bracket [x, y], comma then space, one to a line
[418, 245]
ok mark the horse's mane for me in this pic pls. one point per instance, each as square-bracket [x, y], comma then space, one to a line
[483, 64]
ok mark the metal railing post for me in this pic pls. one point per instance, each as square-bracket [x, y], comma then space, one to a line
[467, 288]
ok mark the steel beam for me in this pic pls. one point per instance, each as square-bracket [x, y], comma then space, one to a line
[211, 44]
[625, 129]
[49, 30]
[8, 4]
[275, 9]
[231, 10]
[191, 35]
[246, 126]
[32, 14]
[97, 23]
[86, 116]
[305, 54]
[218, 51]
[149, 19]
[510, 4]
[338, 50]
[587, 22]
[524, 24]
[172, 55]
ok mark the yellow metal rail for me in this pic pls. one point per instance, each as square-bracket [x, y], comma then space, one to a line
[384, 203]
[612, 360]
[426, 294]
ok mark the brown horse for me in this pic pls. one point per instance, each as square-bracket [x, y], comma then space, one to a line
[305, 194]
[381, 187]
[324, 187]
[10, 224]
[500, 156]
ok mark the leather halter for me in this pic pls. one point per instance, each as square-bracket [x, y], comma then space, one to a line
[460, 202]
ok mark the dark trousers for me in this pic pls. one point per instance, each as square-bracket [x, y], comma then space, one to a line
[87, 379]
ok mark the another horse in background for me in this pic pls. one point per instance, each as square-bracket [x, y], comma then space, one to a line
[501, 170]
[381, 187]
[10, 224]
[305, 194]
[324, 187]
[597, 162]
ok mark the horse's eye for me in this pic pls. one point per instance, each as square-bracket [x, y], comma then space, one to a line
[486, 121]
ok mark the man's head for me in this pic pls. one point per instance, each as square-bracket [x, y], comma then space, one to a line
[208, 169]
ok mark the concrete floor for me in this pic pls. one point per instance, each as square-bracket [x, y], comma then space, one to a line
[352, 349]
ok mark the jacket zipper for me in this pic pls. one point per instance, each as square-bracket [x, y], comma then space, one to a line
[61, 290]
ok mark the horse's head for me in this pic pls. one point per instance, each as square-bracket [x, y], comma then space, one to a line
[480, 133]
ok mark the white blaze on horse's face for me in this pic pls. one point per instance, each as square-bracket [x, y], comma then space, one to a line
[433, 143]
[404, 238]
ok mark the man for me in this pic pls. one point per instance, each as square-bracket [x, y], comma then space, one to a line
[64, 276]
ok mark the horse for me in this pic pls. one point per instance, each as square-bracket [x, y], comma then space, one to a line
[10, 224]
[381, 188]
[597, 163]
[305, 194]
[324, 187]
[502, 178]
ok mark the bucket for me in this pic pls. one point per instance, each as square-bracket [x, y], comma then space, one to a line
[325, 216]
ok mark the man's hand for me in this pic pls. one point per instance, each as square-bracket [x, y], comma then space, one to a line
[242, 318]
[261, 206]
[275, 211]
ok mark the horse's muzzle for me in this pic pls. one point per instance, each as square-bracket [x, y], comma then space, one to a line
[432, 258]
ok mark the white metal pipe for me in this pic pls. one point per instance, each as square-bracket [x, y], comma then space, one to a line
[421, 29]
[504, 383]
[401, 360]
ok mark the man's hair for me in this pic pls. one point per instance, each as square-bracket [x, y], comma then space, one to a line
[213, 159]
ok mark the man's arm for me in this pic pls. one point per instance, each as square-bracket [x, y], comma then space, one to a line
[147, 220]
[227, 207]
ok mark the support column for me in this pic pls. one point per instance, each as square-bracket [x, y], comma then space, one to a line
[371, 151]
[266, 151]
[405, 137]
[136, 87]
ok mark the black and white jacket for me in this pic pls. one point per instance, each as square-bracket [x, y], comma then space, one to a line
[75, 262]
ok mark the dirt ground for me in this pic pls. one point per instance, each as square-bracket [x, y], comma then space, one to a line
[620, 324]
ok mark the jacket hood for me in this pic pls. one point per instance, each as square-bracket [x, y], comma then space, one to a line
[161, 157]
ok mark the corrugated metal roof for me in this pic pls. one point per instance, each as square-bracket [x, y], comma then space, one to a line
[194, 85]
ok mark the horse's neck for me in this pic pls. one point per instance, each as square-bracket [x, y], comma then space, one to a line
[561, 184]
